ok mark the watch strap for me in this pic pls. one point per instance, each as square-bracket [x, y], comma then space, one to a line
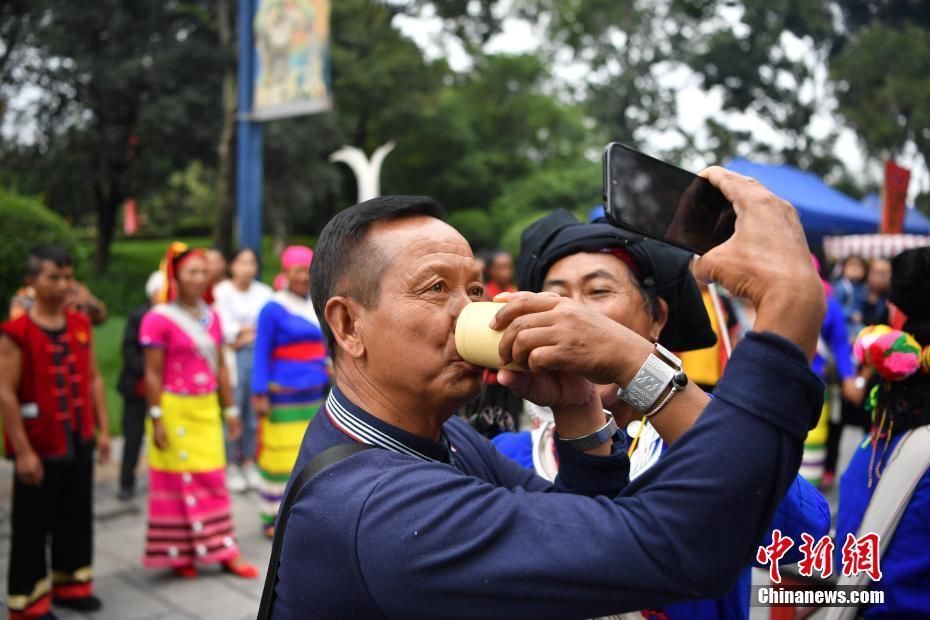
[595, 439]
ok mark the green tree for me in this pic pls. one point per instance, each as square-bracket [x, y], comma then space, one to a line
[755, 64]
[128, 94]
[489, 128]
[882, 76]
[575, 186]
[628, 47]
[185, 204]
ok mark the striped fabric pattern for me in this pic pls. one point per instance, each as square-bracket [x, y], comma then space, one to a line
[365, 433]
[189, 519]
[871, 246]
[299, 351]
[280, 436]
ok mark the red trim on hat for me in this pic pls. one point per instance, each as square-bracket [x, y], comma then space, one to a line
[624, 255]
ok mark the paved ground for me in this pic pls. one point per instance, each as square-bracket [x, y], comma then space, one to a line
[131, 592]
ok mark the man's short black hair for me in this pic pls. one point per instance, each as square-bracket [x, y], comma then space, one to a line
[345, 265]
[42, 253]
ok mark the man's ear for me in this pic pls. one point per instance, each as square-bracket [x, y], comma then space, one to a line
[342, 315]
[661, 318]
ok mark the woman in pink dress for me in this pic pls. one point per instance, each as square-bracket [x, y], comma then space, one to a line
[189, 521]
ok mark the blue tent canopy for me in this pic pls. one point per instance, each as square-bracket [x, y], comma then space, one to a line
[915, 222]
[823, 210]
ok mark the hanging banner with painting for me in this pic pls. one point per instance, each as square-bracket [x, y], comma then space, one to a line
[292, 45]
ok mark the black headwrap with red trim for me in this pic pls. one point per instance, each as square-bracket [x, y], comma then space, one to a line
[661, 267]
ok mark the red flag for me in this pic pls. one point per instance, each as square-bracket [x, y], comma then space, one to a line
[893, 198]
[130, 217]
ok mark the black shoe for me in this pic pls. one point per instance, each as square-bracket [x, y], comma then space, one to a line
[87, 603]
[49, 616]
[125, 495]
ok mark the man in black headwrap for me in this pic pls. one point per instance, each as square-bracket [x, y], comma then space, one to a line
[661, 270]
[610, 266]
[647, 286]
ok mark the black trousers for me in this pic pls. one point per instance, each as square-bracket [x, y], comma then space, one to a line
[134, 410]
[61, 508]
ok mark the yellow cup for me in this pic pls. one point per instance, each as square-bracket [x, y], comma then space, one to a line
[474, 340]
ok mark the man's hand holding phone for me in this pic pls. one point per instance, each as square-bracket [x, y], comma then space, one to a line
[767, 261]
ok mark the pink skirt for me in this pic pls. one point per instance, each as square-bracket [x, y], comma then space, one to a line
[189, 519]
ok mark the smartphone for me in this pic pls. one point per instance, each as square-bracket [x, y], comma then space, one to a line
[658, 200]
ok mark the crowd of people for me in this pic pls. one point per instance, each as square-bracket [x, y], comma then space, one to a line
[232, 386]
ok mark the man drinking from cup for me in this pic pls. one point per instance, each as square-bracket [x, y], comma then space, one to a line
[434, 523]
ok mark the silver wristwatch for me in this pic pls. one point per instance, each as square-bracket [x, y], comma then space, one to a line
[652, 380]
[593, 440]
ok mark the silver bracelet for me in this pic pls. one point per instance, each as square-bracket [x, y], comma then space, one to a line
[155, 412]
[231, 412]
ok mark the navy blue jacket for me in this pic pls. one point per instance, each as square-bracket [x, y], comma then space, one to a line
[453, 529]
[803, 510]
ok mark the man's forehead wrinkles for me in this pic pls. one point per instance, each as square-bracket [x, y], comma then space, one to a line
[430, 245]
[438, 261]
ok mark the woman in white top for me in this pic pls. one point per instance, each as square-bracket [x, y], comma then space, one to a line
[238, 302]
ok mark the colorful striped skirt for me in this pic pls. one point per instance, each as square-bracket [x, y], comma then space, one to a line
[189, 518]
[815, 444]
[279, 437]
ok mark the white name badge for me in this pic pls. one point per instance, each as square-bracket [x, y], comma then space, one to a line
[29, 410]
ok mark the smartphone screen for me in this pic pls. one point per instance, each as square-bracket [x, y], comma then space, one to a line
[659, 200]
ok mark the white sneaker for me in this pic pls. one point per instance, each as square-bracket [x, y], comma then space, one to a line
[252, 477]
[235, 482]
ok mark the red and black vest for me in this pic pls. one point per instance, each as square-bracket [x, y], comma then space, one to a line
[55, 385]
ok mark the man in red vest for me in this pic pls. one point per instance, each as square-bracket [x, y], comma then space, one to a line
[51, 398]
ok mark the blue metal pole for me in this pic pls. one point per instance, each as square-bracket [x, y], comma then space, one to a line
[249, 137]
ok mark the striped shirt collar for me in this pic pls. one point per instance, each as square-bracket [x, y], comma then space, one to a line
[366, 428]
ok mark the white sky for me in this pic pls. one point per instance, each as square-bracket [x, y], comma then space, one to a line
[694, 104]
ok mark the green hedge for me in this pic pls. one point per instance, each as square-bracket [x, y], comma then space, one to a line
[25, 223]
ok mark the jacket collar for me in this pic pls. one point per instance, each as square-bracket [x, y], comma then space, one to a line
[366, 428]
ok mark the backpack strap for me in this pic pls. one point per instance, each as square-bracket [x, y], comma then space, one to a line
[320, 462]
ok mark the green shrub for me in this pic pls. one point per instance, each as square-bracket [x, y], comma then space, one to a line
[510, 240]
[25, 223]
[477, 226]
[576, 188]
[108, 342]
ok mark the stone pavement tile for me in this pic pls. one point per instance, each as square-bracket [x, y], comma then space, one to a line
[130, 591]
[211, 595]
[123, 598]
